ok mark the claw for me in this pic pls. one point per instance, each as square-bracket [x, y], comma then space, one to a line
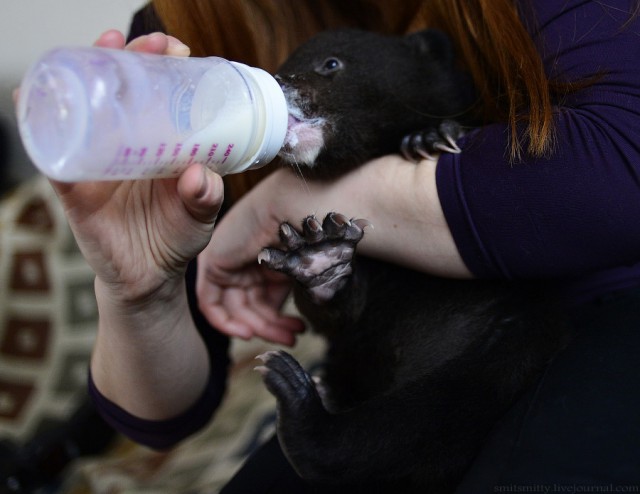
[413, 148]
[453, 143]
[362, 223]
[264, 256]
[428, 143]
[334, 225]
[338, 218]
[312, 229]
[261, 369]
[449, 147]
[266, 355]
[290, 237]
[277, 260]
[425, 154]
[313, 224]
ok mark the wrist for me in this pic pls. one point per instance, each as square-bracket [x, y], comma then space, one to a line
[128, 301]
[287, 196]
[252, 223]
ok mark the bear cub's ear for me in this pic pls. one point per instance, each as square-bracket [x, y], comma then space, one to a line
[431, 43]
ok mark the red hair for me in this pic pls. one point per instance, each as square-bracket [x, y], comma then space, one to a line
[491, 40]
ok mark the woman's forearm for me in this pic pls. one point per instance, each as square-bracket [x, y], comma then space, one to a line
[398, 197]
[149, 358]
[409, 226]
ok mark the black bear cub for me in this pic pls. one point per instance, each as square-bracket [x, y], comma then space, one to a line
[418, 368]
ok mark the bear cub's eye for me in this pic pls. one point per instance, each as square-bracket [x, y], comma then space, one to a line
[329, 66]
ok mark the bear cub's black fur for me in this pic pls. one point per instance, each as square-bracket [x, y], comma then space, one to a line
[418, 368]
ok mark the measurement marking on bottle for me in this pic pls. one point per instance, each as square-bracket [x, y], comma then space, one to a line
[227, 153]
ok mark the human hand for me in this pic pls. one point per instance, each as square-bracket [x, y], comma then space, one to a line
[138, 235]
[237, 295]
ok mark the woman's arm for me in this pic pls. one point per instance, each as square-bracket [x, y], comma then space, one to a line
[138, 236]
[149, 358]
[163, 433]
[243, 299]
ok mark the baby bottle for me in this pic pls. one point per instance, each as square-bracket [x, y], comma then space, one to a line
[104, 114]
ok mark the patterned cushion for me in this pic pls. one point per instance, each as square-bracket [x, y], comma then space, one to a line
[48, 312]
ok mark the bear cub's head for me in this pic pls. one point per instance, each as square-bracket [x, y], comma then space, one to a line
[353, 95]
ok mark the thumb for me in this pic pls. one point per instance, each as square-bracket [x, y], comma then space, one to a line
[202, 192]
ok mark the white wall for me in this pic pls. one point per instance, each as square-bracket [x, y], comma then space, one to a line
[30, 27]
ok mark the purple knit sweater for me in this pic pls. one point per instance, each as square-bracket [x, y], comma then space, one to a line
[573, 216]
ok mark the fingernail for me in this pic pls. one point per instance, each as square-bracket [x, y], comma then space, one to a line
[177, 47]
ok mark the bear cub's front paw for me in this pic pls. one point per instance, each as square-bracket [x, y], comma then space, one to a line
[428, 143]
[320, 258]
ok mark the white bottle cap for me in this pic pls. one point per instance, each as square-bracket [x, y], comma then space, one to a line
[275, 117]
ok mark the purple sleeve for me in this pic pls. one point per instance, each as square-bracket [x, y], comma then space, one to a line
[159, 434]
[575, 212]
